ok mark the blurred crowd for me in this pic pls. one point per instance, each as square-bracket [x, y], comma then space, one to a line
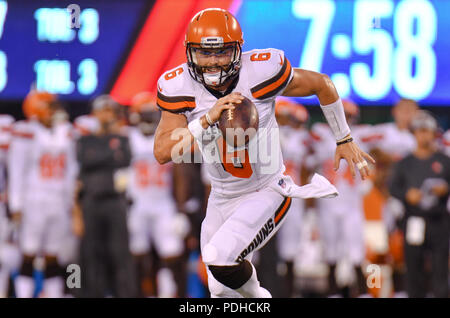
[90, 193]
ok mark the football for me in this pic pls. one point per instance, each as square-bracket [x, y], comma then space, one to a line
[239, 126]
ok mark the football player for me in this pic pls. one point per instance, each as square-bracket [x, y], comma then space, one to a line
[395, 138]
[41, 170]
[294, 139]
[6, 122]
[153, 217]
[249, 198]
[341, 220]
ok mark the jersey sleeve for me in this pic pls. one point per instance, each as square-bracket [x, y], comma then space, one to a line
[271, 72]
[175, 93]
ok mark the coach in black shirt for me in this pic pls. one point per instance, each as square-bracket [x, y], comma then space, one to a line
[421, 181]
[106, 263]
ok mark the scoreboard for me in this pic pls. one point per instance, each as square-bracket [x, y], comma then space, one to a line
[375, 51]
[42, 45]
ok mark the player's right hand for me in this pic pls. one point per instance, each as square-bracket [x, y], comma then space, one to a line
[224, 103]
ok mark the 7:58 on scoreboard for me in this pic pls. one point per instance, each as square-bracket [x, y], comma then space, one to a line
[403, 58]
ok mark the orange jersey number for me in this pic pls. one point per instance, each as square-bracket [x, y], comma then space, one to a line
[237, 163]
[260, 57]
[52, 166]
[174, 73]
[150, 175]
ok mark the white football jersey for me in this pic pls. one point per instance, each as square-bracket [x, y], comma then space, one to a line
[149, 180]
[263, 76]
[41, 163]
[324, 148]
[395, 142]
[6, 122]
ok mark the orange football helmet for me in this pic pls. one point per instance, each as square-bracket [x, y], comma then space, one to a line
[296, 112]
[144, 113]
[215, 30]
[38, 104]
[143, 101]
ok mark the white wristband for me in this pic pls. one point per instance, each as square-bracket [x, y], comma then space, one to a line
[196, 129]
[334, 113]
[208, 119]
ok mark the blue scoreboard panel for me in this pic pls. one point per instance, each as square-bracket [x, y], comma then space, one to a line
[375, 51]
[42, 45]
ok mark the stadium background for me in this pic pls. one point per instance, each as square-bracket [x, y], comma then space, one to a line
[122, 47]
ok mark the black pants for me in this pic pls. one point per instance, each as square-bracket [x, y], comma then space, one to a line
[106, 262]
[436, 249]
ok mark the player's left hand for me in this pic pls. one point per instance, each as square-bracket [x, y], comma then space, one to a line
[354, 157]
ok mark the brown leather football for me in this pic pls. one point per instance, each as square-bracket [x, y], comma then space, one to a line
[238, 126]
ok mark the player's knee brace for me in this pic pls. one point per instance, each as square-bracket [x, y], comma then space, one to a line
[233, 276]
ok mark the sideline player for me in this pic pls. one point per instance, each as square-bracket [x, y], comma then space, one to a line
[341, 221]
[294, 139]
[42, 170]
[421, 181]
[395, 138]
[248, 199]
[7, 249]
[153, 217]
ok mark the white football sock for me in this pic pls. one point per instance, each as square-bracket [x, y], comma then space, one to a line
[167, 288]
[53, 287]
[24, 286]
